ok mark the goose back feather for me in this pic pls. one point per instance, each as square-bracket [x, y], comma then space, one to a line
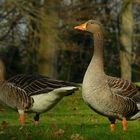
[36, 84]
[123, 87]
[14, 97]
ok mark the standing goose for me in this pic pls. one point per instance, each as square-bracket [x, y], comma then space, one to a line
[29, 93]
[109, 96]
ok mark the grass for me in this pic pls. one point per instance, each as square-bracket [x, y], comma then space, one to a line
[71, 119]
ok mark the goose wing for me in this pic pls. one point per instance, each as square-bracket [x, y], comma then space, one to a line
[36, 84]
[14, 96]
[124, 88]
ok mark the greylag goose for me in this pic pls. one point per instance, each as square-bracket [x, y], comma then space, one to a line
[38, 94]
[109, 96]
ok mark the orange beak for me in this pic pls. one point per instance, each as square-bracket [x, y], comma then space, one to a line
[81, 27]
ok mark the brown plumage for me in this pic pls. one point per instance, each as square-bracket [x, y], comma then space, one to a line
[34, 93]
[35, 84]
[109, 96]
[14, 97]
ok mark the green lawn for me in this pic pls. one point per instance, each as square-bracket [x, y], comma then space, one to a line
[71, 119]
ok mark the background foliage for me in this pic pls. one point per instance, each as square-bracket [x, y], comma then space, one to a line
[38, 36]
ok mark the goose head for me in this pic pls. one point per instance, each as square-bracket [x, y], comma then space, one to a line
[91, 26]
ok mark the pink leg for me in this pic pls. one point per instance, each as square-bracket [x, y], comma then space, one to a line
[124, 123]
[21, 117]
[112, 126]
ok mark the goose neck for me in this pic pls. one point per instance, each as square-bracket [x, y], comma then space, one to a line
[98, 45]
[97, 59]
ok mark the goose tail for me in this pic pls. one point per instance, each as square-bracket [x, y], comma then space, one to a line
[67, 88]
[66, 91]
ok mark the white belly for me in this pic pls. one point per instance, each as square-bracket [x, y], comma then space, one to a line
[44, 102]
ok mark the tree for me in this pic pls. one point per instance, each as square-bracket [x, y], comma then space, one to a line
[29, 27]
[47, 52]
[2, 70]
[126, 32]
[38, 36]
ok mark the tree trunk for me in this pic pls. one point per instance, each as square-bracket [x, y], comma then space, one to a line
[2, 70]
[47, 56]
[126, 31]
[42, 40]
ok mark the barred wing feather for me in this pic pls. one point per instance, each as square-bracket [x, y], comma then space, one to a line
[35, 84]
[124, 88]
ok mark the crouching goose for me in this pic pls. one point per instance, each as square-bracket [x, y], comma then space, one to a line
[28, 93]
[109, 96]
